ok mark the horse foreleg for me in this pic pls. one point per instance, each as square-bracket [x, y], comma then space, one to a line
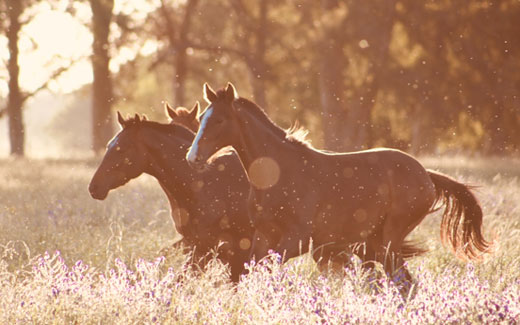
[291, 245]
[260, 246]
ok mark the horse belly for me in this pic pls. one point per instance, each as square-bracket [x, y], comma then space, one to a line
[348, 221]
[263, 220]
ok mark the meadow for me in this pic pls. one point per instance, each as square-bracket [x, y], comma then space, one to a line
[67, 258]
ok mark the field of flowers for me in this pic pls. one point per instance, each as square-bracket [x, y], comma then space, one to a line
[66, 258]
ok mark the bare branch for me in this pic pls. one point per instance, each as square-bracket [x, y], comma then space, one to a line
[45, 85]
[247, 19]
[53, 77]
[170, 25]
[191, 5]
[162, 56]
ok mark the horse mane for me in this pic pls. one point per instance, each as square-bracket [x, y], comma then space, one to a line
[138, 121]
[295, 134]
[298, 133]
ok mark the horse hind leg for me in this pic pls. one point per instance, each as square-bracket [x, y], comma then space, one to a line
[394, 248]
[333, 259]
[326, 258]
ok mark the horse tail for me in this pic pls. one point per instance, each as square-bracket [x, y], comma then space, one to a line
[462, 218]
[411, 249]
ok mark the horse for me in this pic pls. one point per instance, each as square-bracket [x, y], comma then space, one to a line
[207, 208]
[184, 117]
[298, 194]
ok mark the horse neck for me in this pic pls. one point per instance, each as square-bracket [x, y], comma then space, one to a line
[166, 165]
[260, 137]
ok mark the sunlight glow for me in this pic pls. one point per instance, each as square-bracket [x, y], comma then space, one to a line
[54, 38]
[51, 40]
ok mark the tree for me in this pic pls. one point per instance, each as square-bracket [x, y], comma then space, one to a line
[102, 93]
[471, 70]
[176, 35]
[248, 42]
[331, 62]
[352, 55]
[256, 30]
[412, 75]
[12, 11]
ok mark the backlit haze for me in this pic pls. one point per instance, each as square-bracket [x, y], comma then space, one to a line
[53, 39]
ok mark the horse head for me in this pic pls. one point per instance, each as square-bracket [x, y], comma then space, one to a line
[124, 159]
[217, 127]
[182, 116]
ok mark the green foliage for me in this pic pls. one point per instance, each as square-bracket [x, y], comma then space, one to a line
[433, 76]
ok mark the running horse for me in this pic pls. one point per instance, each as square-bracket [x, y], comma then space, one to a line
[207, 208]
[372, 197]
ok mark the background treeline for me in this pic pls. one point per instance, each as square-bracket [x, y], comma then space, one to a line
[422, 76]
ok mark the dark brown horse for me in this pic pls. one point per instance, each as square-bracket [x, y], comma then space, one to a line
[207, 208]
[374, 197]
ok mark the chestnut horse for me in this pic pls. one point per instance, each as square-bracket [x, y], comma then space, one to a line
[374, 197]
[184, 117]
[207, 208]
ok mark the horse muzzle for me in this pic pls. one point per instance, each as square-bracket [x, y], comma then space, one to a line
[196, 162]
[97, 192]
[199, 166]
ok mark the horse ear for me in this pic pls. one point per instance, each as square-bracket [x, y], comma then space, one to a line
[231, 92]
[194, 113]
[169, 111]
[120, 119]
[137, 118]
[145, 118]
[209, 94]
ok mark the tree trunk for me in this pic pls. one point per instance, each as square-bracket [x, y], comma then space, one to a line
[334, 113]
[347, 121]
[258, 85]
[258, 67]
[180, 78]
[178, 43]
[416, 140]
[181, 66]
[102, 85]
[252, 46]
[331, 65]
[377, 33]
[358, 123]
[15, 97]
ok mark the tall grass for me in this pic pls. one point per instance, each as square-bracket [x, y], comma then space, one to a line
[66, 258]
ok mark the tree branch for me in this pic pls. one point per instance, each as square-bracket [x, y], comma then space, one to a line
[161, 57]
[247, 19]
[45, 85]
[191, 5]
[170, 25]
